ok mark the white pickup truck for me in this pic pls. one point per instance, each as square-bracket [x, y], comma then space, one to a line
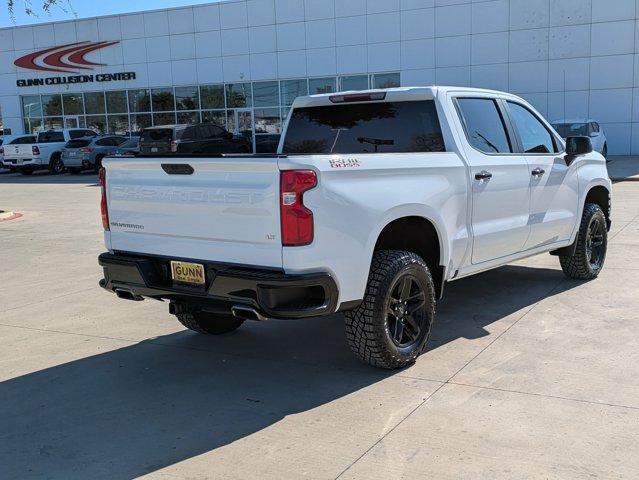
[375, 201]
[46, 153]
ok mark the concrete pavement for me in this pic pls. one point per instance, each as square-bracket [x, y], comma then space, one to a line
[528, 375]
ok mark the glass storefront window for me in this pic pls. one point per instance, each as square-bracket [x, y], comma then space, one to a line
[187, 98]
[32, 125]
[31, 106]
[212, 96]
[188, 117]
[51, 105]
[355, 82]
[94, 102]
[267, 120]
[139, 122]
[238, 95]
[266, 94]
[164, 118]
[116, 102]
[216, 117]
[73, 104]
[162, 100]
[285, 112]
[322, 85]
[53, 123]
[386, 80]
[139, 101]
[291, 89]
[118, 124]
[97, 123]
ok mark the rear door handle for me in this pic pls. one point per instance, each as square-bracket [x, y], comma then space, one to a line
[483, 175]
[538, 172]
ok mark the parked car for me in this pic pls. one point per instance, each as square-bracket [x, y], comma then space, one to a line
[87, 153]
[46, 152]
[10, 144]
[375, 201]
[198, 138]
[586, 128]
[130, 148]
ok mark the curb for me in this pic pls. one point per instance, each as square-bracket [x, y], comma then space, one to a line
[5, 217]
[624, 179]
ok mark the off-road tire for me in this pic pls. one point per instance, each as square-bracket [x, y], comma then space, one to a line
[98, 163]
[56, 165]
[577, 266]
[209, 323]
[367, 329]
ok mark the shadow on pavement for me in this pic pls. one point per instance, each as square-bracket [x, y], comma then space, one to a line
[131, 411]
[43, 177]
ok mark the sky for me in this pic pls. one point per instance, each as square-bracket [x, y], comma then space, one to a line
[71, 9]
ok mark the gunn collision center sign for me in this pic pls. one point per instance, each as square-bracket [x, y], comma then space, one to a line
[69, 58]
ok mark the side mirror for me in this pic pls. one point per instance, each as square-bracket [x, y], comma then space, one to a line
[578, 146]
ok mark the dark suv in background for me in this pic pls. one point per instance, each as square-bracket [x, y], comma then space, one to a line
[198, 138]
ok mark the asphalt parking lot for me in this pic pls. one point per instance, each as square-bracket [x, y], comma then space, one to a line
[529, 375]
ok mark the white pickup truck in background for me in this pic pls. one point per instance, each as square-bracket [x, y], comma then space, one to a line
[376, 200]
[46, 153]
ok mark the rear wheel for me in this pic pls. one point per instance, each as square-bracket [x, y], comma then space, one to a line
[392, 325]
[98, 163]
[592, 244]
[209, 323]
[604, 152]
[56, 165]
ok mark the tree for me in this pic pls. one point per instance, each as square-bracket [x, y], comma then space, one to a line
[45, 6]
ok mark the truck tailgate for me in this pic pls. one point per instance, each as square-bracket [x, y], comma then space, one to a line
[226, 211]
[18, 151]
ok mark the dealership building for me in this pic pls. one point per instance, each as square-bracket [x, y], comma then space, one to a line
[241, 63]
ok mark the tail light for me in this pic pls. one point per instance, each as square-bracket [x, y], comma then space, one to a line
[35, 150]
[296, 219]
[103, 201]
[174, 146]
[87, 150]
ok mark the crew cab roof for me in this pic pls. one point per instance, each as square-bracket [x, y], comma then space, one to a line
[398, 94]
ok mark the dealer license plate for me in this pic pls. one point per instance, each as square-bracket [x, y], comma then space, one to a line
[186, 272]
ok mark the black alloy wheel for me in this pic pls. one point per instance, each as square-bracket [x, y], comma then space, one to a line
[405, 312]
[595, 251]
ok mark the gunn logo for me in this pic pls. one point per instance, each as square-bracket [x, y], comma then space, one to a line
[67, 58]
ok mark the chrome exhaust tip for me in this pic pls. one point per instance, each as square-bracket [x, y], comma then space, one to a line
[128, 295]
[247, 313]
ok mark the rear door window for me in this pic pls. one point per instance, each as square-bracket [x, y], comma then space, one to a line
[50, 137]
[484, 125]
[535, 137]
[389, 127]
[157, 135]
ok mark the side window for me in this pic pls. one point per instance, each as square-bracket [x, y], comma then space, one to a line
[104, 142]
[535, 137]
[89, 133]
[595, 127]
[484, 125]
[217, 131]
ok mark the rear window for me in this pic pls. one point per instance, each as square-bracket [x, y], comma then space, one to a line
[157, 135]
[23, 140]
[50, 137]
[571, 129]
[77, 143]
[132, 143]
[393, 127]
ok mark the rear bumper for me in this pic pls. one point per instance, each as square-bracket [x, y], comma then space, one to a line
[272, 293]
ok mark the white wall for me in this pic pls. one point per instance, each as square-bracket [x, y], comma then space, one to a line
[523, 46]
